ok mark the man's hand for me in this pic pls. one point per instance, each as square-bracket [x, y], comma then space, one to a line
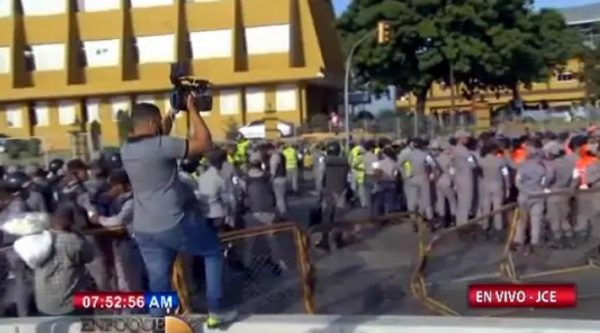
[190, 103]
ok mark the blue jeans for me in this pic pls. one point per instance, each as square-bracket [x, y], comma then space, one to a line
[190, 236]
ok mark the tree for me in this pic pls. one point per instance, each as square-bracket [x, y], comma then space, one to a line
[591, 72]
[479, 44]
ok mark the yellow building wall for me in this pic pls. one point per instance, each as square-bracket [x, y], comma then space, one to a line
[553, 91]
[313, 63]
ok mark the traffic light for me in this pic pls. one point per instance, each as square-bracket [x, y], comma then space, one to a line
[384, 32]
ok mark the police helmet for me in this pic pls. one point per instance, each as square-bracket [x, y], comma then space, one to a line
[333, 148]
[112, 160]
[56, 165]
[15, 181]
[189, 165]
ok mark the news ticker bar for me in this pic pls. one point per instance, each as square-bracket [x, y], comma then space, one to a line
[522, 296]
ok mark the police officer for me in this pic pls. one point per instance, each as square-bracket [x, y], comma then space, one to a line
[531, 180]
[40, 184]
[558, 207]
[55, 172]
[127, 257]
[386, 171]
[19, 183]
[585, 206]
[465, 167]
[368, 187]
[291, 166]
[418, 180]
[262, 208]
[278, 172]
[495, 187]
[444, 185]
[318, 167]
[241, 151]
[335, 184]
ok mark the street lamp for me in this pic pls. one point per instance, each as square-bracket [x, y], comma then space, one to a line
[384, 35]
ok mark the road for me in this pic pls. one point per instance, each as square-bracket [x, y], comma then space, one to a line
[370, 276]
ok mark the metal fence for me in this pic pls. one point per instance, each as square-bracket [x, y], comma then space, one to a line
[446, 266]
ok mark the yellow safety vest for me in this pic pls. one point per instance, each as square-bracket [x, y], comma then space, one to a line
[354, 152]
[358, 168]
[377, 151]
[230, 159]
[291, 158]
[241, 153]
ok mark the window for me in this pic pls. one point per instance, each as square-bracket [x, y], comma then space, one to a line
[285, 98]
[5, 8]
[97, 5]
[40, 110]
[229, 101]
[144, 99]
[153, 49]
[268, 39]
[211, 44]
[101, 53]
[66, 113]
[150, 3]
[566, 76]
[92, 109]
[119, 104]
[4, 60]
[255, 100]
[14, 117]
[47, 57]
[43, 7]
[29, 60]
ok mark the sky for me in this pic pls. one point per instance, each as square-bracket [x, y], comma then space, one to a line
[341, 4]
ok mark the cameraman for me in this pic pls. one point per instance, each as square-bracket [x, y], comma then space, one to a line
[165, 223]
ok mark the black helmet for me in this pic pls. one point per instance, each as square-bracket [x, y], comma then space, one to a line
[189, 165]
[112, 160]
[15, 181]
[333, 148]
[55, 165]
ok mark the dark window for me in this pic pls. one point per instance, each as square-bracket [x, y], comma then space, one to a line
[29, 59]
[566, 76]
[135, 52]
[81, 56]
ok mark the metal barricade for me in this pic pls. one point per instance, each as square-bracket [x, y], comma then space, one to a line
[506, 266]
[263, 286]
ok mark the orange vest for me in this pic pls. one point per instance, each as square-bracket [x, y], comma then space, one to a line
[581, 166]
[519, 155]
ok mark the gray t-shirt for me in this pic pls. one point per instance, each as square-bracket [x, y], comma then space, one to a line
[159, 194]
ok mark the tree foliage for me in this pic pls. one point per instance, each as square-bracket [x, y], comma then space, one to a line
[591, 70]
[486, 44]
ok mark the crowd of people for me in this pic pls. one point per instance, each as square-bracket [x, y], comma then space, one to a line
[175, 195]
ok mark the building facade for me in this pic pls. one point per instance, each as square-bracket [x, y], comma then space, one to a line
[65, 64]
[562, 89]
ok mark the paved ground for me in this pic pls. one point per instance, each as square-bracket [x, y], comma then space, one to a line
[370, 276]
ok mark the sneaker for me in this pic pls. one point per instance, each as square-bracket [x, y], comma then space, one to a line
[221, 319]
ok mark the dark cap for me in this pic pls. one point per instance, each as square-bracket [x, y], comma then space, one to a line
[118, 177]
[76, 165]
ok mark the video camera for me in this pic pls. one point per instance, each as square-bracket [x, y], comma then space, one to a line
[183, 85]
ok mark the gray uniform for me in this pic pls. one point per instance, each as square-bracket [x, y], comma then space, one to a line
[531, 179]
[318, 169]
[558, 206]
[465, 165]
[35, 202]
[279, 182]
[494, 187]
[443, 186]
[417, 183]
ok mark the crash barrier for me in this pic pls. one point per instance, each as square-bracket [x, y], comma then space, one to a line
[498, 262]
[265, 286]
[361, 266]
[331, 324]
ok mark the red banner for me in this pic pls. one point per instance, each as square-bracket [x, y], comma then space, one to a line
[522, 295]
